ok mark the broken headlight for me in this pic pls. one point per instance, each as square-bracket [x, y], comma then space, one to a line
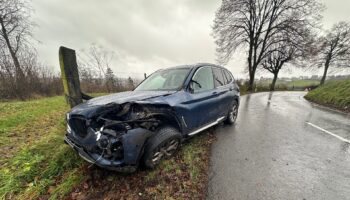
[69, 130]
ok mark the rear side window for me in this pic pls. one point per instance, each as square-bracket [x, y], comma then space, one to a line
[203, 80]
[228, 76]
[219, 79]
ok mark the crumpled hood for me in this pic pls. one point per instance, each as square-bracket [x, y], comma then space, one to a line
[89, 107]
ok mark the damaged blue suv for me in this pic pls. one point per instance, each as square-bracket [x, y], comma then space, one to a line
[123, 130]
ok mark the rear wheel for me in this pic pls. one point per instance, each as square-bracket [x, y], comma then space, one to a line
[232, 115]
[162, 145]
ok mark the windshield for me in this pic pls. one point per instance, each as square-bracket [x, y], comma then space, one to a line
[169, 79]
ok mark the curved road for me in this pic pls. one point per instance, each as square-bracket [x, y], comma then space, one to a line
[282, 147]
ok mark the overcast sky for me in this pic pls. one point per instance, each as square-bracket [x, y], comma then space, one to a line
[144, 34]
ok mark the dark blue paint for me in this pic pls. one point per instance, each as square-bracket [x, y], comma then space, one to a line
[197, 109]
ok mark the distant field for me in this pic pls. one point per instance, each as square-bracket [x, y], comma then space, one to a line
[290, 84]
[281, 85]
[300, 83]
[36, 163]
[334, 93]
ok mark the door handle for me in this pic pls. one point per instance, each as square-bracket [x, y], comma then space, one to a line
[215, 93]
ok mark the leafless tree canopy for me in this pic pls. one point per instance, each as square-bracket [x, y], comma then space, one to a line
[96, 73]
[276, 60]
[257, 25]
[334, 48]
[292, 47]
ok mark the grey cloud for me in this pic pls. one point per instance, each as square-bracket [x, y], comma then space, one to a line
[147, 34]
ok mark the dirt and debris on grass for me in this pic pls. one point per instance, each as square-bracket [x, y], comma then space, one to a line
[184, 176]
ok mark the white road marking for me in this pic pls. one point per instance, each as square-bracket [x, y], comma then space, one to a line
[328, 132]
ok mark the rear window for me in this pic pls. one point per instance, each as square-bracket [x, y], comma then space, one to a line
[228, 76]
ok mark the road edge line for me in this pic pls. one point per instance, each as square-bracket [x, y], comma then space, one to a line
[328, 132]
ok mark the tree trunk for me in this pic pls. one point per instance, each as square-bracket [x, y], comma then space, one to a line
[326, 66]
[19, 76]
[250, 65]
[251, 81]
[252, 69]
[272, 87]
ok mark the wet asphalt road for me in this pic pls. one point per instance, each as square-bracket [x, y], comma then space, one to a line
[275, 151]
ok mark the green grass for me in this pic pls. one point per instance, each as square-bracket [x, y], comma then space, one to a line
[334, 93]
[34, 155]
[36, 163]
[16, 113]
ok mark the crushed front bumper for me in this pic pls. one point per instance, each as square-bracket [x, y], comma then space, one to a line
[133, 142]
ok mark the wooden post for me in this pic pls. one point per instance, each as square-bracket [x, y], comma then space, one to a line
[70, 76]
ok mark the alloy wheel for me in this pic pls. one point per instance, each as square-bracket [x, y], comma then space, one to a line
[165, 150]
[233, 113]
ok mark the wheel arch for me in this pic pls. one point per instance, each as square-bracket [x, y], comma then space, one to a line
[168, 119]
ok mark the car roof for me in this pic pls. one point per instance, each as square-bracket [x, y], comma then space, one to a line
[193, 66]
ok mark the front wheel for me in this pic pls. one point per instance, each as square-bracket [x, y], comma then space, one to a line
[162, 145]
[232, 115]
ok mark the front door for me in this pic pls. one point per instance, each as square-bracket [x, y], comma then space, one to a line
[200, 104]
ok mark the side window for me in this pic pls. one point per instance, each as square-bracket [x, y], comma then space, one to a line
[228, 76]
[219, 79]
[225, 77]
[202, 80]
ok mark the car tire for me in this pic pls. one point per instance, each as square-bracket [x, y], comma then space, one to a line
[162, 145]
[232, 115]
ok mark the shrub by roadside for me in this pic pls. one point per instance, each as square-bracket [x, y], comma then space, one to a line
[335, 94]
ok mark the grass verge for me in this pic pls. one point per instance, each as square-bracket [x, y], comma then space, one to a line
[182, 177]
[36, 164]
[335, 94]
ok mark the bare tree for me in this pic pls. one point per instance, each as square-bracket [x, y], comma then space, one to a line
[7, 79]
[40, 80]
[100, 59]
[15, 29]
[293, 46]
[94, 63]
[254, 23]
[334, 49]
[276, 60]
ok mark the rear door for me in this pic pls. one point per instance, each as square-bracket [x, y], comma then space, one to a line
[222, 90]
[233, 91]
